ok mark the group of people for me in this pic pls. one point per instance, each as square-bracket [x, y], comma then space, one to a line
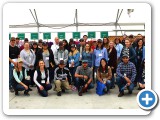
[77, 66]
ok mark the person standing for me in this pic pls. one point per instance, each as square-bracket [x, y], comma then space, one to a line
[47, 56]
[112, 62]
[55, 45]
[14, 52]
[28, 57]
[61, 54]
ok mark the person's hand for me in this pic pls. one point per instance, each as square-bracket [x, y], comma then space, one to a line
[66, 79]
[127, 79]
[112, 68]
[41, 87]
[91, 68]
[128, 84]
[47, 82]
[85, 77]
[86, 85]
[26, 87]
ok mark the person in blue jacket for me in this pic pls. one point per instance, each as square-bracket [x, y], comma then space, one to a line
[99, 53]
[73, 60]
[88, 55]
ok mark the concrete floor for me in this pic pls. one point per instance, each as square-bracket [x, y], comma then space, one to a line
[71, 100]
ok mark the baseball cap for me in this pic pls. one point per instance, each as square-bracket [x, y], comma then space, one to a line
[125, 55]
[45, 44]
[20, 60]
[73, 45]
[99, 40]
[84, 61]
[61, 62]
[81, 40]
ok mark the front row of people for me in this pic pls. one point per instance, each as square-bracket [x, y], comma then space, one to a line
[126, 73]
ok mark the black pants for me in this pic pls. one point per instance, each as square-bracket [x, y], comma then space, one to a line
[43, 92]
[31, 74]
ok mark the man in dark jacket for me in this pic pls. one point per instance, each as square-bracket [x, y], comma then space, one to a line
[62, 77]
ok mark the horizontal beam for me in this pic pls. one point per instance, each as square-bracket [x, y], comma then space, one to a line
[73, 25]
[130, 30]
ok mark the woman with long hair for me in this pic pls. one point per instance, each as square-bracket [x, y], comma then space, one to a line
[88, 55]
[112, 62]
[104, 75]
[41, 79]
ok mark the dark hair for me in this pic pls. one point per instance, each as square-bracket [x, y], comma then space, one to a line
[107, 40]
[137, 43]
[85, 35]
[100, 69]
[101, 46]
[117, 38]
[66, 46]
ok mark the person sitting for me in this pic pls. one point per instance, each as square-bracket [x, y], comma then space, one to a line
[20, 78]
[41, 79]
[126, 73]
[62, 78]
[83, 77]
[104, 75]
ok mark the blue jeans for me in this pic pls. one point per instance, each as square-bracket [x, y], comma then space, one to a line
[122, 82]
[19, 87]
[10, 76]
[80, 82]
[72, 71]
[43, 92]
[108, 85]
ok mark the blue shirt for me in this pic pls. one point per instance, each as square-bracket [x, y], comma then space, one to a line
[89, 57]
[98, 55]
[129, 69]
[119, 48]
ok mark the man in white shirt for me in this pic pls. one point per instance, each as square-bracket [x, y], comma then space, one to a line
[55, 46]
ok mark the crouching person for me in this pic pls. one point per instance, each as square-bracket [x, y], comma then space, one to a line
[126, 73]
[62, 78]
[83, 76]
[104, 75]
[20, 78]
[41, 79]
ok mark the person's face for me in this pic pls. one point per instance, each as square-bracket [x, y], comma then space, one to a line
[45, 47]
[82, 42]
[13, 41]
[73, 49]
[127, 43]
[64, 43]
[56, 40]
[140, 43]
[85, 64]
[140, 36]
[87, 47]
[41, 64]
[40, 44]
[26, 46]
[34, 46]
[61, 66]
[125, 59]
[103, 63]
[85, 38]
[117, 41]
[111, 44]
[20, 64]
[17, 41]
[105, 40]
[99, 44]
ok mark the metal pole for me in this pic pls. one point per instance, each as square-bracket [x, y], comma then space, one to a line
[76, 20]
[37, 23]
[116, 22]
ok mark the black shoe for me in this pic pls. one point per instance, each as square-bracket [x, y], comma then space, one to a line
[112, 87]
[139, 88]
[63, 90]
[80, 91]
[105, 90]
[29, 89]
[135, 84]
[120, 94]
[11, 90]
[16, 93]
[59, 94]
[129, 92]
[26, 93]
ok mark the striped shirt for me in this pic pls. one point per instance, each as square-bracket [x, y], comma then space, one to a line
[127, 70]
